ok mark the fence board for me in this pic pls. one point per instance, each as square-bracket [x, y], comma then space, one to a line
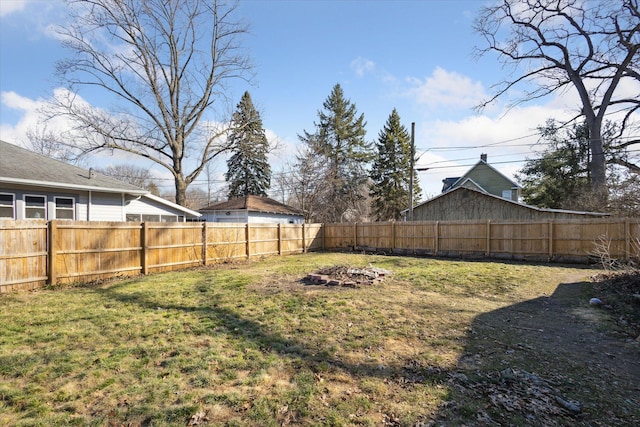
[23, 254]
[84, 251]
[33, 253]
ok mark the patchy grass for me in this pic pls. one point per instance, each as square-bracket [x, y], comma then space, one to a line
[250, 344]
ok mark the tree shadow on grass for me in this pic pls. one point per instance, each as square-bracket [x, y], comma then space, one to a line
[544, 361]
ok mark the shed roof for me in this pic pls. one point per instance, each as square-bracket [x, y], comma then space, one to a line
[253, 204]
[503, 200]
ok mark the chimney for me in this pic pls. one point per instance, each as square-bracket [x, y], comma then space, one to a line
[483, 157]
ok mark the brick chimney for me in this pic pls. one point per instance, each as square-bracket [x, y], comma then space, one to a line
[483, 157]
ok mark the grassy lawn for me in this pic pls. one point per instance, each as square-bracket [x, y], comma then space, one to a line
[249, 344]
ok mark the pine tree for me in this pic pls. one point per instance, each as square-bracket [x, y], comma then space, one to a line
[339, 139]
[391, 171]
[248, 170]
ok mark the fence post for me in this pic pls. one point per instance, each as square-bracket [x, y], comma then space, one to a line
[247, 241]
[324, 240]
[144, 236]
[488, 253]
[355, 235]
[204, 244]
[279, 239]
[53, 231]
[550, 239]
[437, 238]
[304, 241]
[627, 239]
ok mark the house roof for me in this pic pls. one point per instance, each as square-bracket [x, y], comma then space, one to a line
[450, 183]
[21, 166]
[253, 204]
[486, 194]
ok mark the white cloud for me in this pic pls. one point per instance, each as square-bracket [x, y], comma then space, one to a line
[28, 111]
[445, 88]
[9, 6]
[362, 66]
[508, 138]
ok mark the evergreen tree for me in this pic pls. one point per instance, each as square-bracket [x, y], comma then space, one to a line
[559, 179]
[248, 170]
[391, 171]
[339, 139]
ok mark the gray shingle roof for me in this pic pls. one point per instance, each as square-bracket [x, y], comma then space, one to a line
[18, 165]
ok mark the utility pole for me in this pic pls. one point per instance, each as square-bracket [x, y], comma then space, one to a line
[413, 154]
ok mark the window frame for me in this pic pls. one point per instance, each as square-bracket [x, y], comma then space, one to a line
[27, 208]
[72, 208]
[12, 206]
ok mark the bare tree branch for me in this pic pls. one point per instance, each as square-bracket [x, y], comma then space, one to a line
[589, 45]
[163, 64]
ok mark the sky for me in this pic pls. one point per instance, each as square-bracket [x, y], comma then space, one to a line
[412, 55]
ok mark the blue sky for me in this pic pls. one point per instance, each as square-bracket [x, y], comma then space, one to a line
[412, 55]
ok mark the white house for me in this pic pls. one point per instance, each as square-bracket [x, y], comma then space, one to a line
[252, 209]
[34, 186]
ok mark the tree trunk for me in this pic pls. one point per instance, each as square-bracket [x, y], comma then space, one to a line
[598, 164]
[181, 191]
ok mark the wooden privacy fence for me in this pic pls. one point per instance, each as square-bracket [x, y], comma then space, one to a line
[35, 253]
[551, 240]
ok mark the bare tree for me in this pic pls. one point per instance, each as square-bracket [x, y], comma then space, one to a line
[163, 64]
[591, 46]
[132, 174]
[48, 143]
[306, 184]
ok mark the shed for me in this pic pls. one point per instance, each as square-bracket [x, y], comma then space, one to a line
[252, 209]
[464, 203]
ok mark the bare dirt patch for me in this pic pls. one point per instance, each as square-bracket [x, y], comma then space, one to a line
[551, 361]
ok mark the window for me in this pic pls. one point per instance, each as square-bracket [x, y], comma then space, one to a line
[506, 194]
[7, 206]
[169, 218]
[151, 218]
[35, 207]
[65, 208]
[133, 217]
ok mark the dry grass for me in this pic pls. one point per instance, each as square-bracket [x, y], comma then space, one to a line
[250, 344]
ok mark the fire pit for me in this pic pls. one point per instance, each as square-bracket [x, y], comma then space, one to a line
[347, 276]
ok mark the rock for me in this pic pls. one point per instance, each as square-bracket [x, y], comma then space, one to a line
[573, 407]
[595, 302]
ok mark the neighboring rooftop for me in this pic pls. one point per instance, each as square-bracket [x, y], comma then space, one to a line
[22, 166]
[253, 204]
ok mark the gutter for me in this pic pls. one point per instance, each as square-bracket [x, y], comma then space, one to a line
[72, 186]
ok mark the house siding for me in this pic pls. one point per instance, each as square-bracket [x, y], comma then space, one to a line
[19, 192]
[106, 207]
[144, 206]
[243, 216]
[492, 182]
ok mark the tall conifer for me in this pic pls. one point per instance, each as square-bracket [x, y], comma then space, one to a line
[248, 169]
[390, 174]
[339, 139]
